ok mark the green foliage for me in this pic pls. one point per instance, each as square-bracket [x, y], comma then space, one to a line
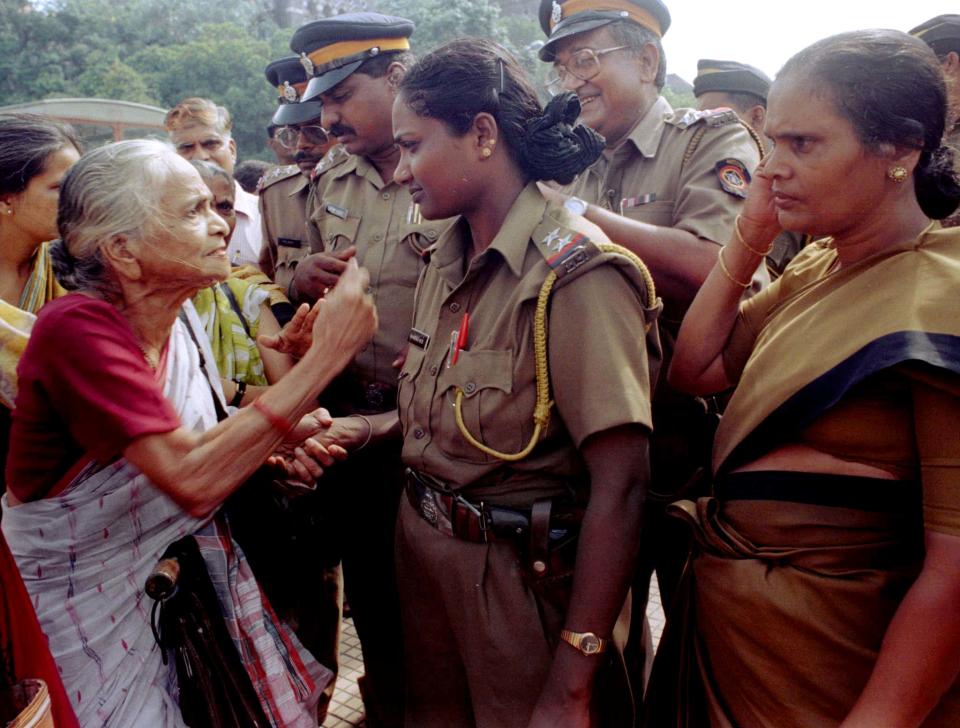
[161, 51]
[679, 99]
[440, 21]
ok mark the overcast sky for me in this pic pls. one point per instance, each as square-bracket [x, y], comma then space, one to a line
[765, 33]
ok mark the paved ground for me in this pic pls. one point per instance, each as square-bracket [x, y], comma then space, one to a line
[346, 709]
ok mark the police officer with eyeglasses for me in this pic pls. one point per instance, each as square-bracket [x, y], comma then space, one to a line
[284, 190]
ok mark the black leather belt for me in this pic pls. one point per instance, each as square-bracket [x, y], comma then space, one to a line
[452, 514]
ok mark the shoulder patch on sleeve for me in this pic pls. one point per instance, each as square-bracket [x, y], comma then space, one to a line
[734, 177]
[566, 250]
[276, 174]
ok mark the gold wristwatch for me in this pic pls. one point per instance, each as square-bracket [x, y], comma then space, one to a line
[587, 642]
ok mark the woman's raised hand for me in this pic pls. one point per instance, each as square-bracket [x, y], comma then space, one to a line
[758, 221]
[347, 317]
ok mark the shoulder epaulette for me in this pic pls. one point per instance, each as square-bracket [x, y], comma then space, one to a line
[276, 174]
[334, 158]
[685, 118]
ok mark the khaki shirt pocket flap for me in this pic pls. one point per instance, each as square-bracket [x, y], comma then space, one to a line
[476, 371]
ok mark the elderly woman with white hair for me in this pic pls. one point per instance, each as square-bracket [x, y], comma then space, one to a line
[116, 448]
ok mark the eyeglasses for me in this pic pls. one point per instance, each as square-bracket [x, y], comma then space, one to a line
[583, 64]
[289, 136]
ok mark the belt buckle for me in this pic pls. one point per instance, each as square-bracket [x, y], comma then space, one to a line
[428, 509]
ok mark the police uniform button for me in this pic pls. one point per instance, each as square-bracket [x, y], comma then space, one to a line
[454, 307]
[386, 195]
[611, 194]
[434, 369]
[431, 234]
[539, 566]
[470, 388]
[418, 433]
[378, 237]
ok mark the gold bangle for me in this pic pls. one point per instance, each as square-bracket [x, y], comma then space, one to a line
[723, 267]
[736, 229]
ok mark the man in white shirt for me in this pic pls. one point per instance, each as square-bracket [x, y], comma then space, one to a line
[199, 129]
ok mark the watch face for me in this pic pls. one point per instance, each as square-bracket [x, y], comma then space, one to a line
[590, 644]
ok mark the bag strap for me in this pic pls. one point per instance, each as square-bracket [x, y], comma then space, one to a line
[222, 413]
[235, 305]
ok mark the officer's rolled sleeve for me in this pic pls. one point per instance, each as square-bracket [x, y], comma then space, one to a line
[598, 355]
[703, 208]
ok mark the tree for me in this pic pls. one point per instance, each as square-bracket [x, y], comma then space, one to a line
[223, 64]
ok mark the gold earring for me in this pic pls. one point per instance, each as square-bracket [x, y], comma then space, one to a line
[486, 152]
[898, 174]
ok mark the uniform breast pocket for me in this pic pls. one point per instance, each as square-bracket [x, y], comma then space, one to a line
[488, 406]
[659, 213]
[336, 232]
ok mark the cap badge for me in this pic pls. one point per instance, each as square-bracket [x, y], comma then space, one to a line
[556, 15]
[290, 93]
[306, 63]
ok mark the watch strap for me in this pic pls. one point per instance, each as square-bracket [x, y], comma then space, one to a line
[587, 643]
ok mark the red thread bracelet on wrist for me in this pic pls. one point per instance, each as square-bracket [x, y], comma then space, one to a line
[281, 425]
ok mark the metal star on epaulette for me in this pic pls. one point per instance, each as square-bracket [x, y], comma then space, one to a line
[556, 14]
[290, 93]
[551, 238]
[306, 63]
[560, 243]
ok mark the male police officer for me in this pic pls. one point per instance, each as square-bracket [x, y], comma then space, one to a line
[744, 89]
[284, 190]
[356, 209]
[668, 186]
[732, 85]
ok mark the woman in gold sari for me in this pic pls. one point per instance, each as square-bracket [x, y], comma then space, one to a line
[825, 584]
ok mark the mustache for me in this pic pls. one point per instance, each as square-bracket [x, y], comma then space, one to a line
[340, 130]
[305, 157]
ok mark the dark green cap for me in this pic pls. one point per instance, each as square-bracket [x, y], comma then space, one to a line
[730, 77]
[290, 79]
[333, 48]
[563, 18]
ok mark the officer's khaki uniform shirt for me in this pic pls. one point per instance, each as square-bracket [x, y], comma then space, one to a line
[598, 357]
[283, 211]
[351, 205]
[646, 178]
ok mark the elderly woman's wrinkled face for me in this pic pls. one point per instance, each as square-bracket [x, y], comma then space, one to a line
[825, 182]
[187, 244]
[34, 210]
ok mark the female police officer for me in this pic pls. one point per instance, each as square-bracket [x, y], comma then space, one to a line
[521, 431]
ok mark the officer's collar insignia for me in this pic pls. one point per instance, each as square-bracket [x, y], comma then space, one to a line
[290, 93]
[306, 63]
[556, 14]
[734, 177]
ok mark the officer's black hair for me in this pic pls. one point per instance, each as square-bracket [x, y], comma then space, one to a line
[890, 87]
[471, 76]
[629, 33]
[377, 66]
[249, 172]
[945, 46]
[26, 142]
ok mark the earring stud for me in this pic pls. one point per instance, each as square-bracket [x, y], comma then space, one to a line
[898, 174]
[486, 152]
